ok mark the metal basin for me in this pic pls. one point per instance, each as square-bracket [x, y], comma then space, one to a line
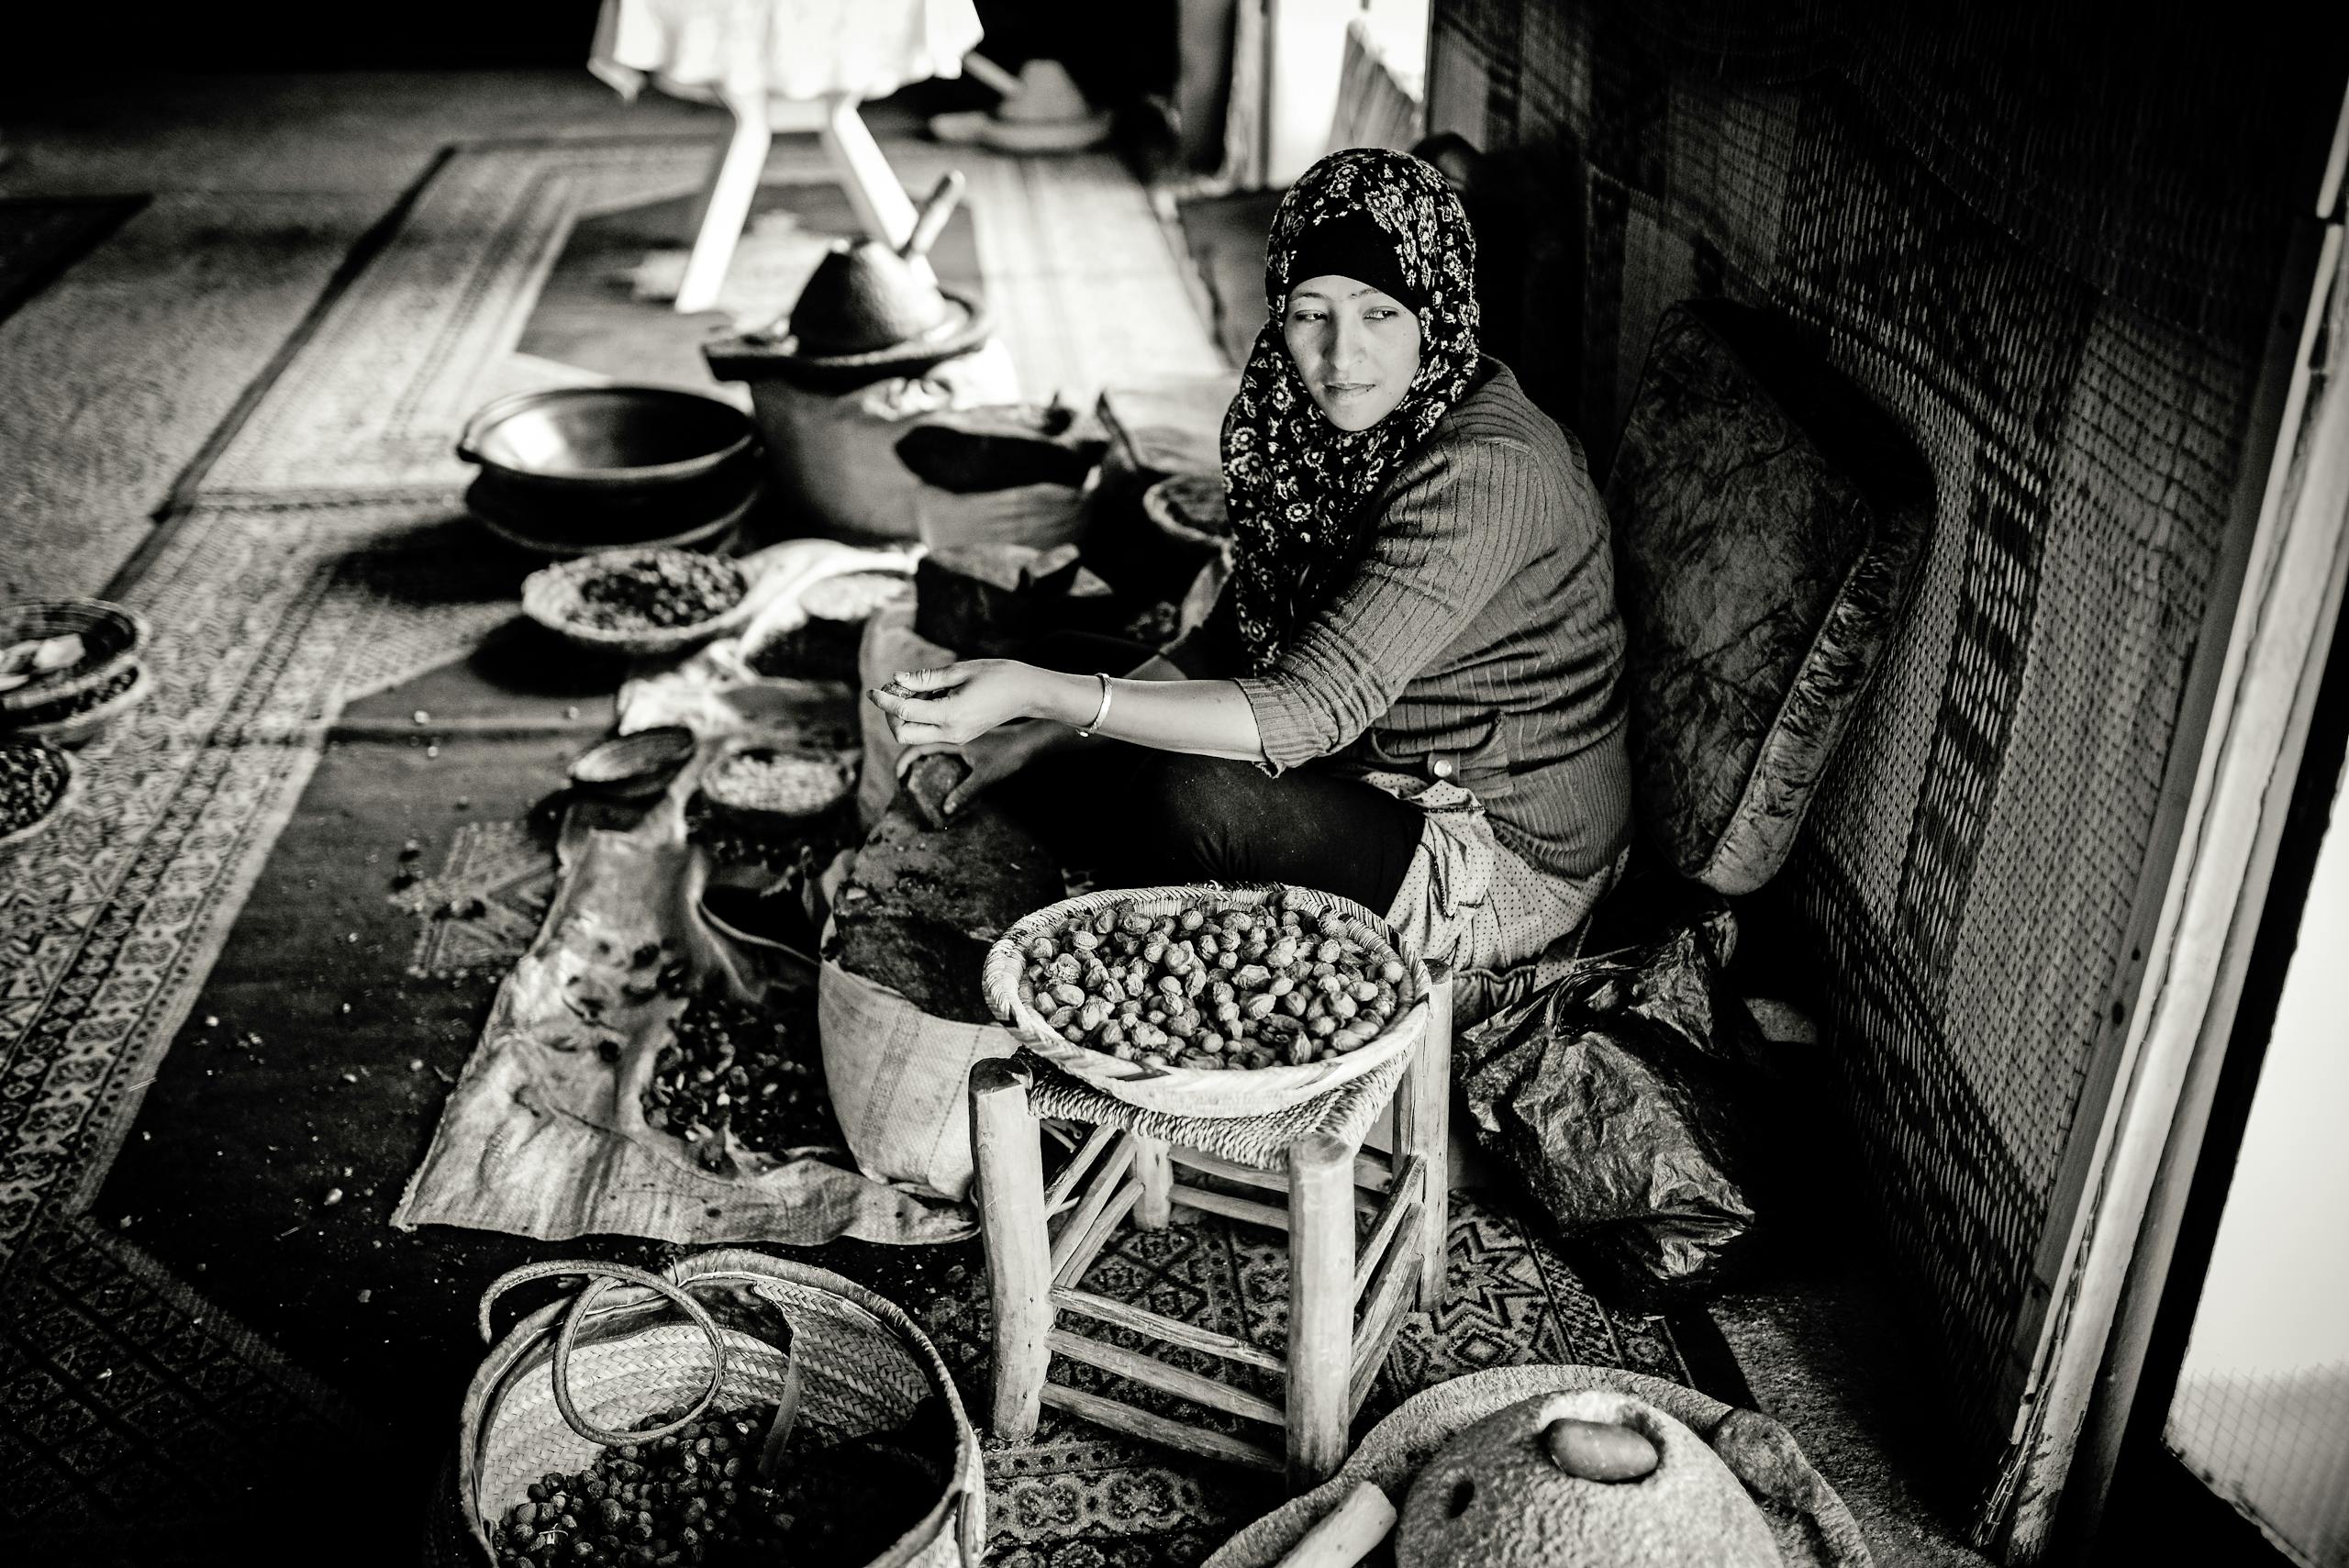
[575, 440]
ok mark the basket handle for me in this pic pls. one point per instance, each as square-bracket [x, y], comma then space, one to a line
[601, 1277]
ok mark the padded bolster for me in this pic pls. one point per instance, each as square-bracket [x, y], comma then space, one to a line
[1769, 521]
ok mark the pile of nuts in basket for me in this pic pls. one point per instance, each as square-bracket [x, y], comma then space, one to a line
[696, 1497]
[671, 588]
[31, 778]
[1240, 988]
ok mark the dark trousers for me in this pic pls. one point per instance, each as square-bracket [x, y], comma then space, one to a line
[1140, 817]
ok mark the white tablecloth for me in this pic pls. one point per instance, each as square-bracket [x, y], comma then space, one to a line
[787, 49]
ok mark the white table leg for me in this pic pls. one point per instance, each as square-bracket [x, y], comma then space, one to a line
[880, 203]
[726, 208]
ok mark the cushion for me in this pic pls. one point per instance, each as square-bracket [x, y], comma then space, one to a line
[1769, 521]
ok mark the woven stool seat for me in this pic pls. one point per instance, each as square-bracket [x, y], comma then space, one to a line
[1347, 1291]
[1261, 1142]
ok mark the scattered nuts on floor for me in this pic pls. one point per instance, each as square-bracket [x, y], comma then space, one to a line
[734, 1069]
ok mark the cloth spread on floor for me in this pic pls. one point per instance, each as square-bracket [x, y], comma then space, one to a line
[547, 1132]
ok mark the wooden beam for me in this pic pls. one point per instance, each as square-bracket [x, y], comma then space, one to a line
[1011, 1218]
[1405, 1195]
[1133, 1423]
[1153, 1173]
[1389, 1295]
[1321, 1306]
[1152, 1372]
[1096, 1197]
[1079, 1164]
[1423, 1129]
[1085, 1245]
[1174, 1331]
[1254, 1213]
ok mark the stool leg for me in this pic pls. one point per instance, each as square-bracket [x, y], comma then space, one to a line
[1321, 1306]
[1423, 1126]
[1011, 1219]
[1155, 1173]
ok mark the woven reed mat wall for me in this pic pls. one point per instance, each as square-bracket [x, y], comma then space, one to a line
[2050, 250]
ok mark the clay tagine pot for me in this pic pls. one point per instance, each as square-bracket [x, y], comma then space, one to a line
[867, 313]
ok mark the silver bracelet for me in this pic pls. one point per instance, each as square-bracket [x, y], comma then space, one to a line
[1103, 677]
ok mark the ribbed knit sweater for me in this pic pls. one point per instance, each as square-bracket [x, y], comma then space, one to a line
[1479, 642]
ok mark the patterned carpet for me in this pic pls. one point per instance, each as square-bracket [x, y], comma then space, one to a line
[320, 561]
[1077, 1496]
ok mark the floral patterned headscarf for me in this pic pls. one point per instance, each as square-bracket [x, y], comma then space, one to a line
[1298, 485]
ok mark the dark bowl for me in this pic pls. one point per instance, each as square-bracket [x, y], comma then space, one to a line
[589, 439]
[580, 522]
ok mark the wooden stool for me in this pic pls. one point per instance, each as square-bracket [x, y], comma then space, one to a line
[1345, 1302]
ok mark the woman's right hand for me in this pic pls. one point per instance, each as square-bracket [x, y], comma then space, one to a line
[992, 758]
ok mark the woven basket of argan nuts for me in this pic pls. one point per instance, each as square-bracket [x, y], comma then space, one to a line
[1206, 1000]
[737, 1405]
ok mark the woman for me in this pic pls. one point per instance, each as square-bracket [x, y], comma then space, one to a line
[1407, 693]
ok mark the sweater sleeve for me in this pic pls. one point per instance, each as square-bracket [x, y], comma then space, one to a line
[1455, 528]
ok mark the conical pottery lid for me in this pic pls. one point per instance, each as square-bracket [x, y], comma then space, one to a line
[866, 298]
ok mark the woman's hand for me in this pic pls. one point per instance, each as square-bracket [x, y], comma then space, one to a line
[959, 702]
[992, 758]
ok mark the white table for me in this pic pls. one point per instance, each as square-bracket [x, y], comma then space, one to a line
[790, 66]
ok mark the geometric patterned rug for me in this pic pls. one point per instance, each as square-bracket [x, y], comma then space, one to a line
[1074, 1495]
[138, 1422]
[268, 620]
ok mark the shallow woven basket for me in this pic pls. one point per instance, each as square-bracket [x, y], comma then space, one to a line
[79, 729]
[111, 634]
[550, 598]
[57, 807]
[1199, 1091]
[617, 1352]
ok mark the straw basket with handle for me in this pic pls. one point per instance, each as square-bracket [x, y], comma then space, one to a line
[1199, 1091]
[721, 1330]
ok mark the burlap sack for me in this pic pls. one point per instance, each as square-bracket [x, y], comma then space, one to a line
[899, 1080]
[1038, 516]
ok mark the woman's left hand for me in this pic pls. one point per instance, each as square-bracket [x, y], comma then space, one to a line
[958, 702]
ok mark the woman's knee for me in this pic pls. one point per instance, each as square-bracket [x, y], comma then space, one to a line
[1192, 813]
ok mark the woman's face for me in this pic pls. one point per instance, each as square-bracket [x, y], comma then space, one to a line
[1356, 347]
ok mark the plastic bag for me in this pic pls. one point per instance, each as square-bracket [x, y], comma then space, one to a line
[1616, 1093]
